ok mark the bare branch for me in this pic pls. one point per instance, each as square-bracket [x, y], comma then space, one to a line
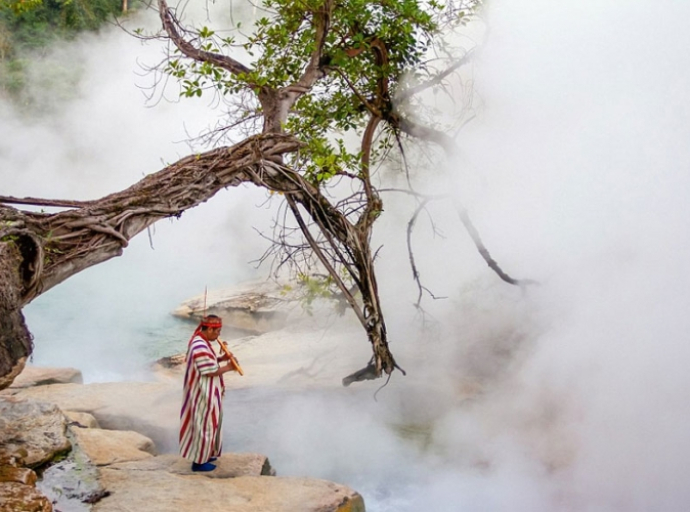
[410, 252]
[324, 261]
[424, 132]
[435, 80]
[474, 234]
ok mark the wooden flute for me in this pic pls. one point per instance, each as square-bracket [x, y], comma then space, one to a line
[233, 360]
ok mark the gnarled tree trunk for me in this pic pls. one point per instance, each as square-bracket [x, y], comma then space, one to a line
[40, 250]
[15, 339]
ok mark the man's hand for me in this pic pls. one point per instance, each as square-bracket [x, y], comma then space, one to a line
[224, 357]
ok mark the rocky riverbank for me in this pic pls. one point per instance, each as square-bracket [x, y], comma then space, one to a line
[67, 447]
[111, 446]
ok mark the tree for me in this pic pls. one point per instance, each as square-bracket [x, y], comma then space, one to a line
[318, 74]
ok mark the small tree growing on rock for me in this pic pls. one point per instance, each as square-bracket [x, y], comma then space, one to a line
[313, 76]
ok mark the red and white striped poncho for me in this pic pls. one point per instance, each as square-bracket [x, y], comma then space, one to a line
[201, 418]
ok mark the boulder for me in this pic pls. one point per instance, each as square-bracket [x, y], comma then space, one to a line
[39, 376]
[105, 447]
[16, 497]
[164, 483]
[35, 432]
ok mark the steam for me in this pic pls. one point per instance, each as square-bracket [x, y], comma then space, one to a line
[105, 134]
[571, 395]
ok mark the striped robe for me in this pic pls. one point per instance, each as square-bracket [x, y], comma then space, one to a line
[201, 418]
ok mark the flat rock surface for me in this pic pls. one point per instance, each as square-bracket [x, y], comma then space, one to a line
[227, 466]
[105, 447]
[40, 376]
[164, 491]
[98, 398]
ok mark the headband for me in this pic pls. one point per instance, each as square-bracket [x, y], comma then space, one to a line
[211, 323]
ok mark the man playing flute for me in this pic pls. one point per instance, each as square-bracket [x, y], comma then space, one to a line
[201, 417]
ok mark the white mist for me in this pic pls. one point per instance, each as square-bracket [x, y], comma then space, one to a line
[570, 396]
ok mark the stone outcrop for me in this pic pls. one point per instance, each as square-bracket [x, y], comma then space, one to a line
[40, 376]
[256, 307]
[72, 483]
[18, 491]
[32, 435]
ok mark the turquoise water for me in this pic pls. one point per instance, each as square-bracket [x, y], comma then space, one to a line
[113, 320]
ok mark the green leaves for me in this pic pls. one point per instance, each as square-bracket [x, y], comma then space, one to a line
[205, 33]
[20, 6]
[368, 49]
[313, 287]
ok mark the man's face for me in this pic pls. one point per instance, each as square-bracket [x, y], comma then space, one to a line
[212, 333]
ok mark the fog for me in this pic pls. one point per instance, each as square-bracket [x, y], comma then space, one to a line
[570, 395]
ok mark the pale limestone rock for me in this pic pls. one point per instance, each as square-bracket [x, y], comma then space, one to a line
[33, 431]
[16, 497]
[105, 447]
[82, 419]
[39, 376]
[162, 484]
[256, 307]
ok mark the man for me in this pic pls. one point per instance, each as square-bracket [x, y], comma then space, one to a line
[201, 418]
